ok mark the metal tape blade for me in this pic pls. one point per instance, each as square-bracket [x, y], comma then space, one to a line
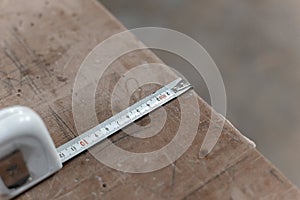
[122, 119]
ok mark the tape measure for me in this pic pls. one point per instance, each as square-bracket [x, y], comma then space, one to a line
[28, 154]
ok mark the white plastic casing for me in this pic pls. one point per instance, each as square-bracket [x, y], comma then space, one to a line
[22, 129]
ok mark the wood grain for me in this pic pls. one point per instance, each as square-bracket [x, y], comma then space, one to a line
[42, 46]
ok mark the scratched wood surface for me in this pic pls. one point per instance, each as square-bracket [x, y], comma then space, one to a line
[42, 46]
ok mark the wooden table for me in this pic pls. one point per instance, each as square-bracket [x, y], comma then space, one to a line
[42, 46]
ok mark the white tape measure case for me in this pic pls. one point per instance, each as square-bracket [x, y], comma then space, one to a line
[27, 152]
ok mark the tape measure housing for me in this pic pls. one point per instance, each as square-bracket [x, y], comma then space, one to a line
[27, 152]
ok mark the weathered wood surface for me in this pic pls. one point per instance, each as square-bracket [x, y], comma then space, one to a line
[42, 46]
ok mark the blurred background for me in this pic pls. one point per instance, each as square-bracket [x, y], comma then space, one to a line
[256, 45]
